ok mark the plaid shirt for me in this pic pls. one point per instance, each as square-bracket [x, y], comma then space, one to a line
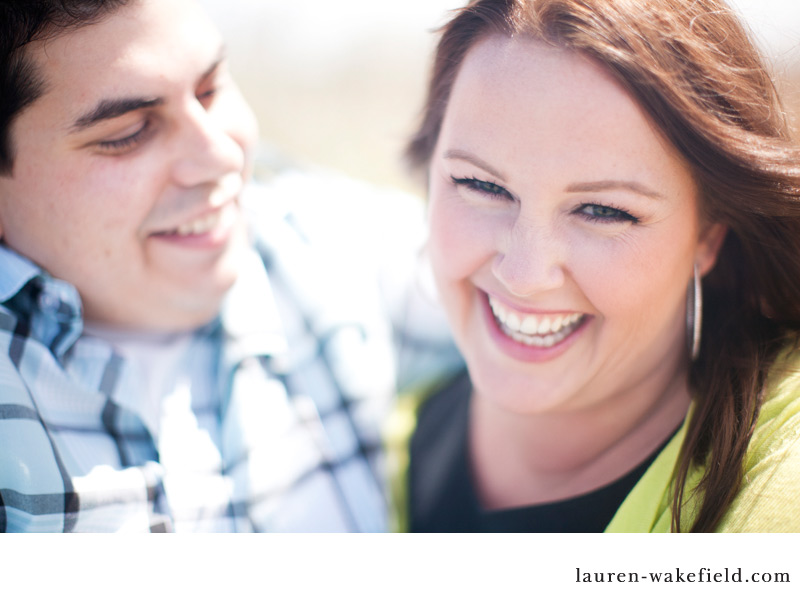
[283, 393]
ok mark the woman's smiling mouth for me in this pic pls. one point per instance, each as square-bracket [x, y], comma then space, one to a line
[540, 330]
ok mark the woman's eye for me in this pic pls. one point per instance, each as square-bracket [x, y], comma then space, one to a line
[599, 213]
[127, 143]
[482, 187]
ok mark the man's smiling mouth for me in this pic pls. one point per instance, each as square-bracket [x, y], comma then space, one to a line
[221, 217]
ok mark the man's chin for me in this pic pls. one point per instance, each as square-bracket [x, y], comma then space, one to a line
[176, 313]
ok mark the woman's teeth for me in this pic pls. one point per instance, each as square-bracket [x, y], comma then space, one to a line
[542, 331]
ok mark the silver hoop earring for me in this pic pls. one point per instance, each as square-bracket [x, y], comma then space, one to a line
[694, 315]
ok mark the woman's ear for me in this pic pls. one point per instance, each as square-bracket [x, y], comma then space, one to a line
[711, 239]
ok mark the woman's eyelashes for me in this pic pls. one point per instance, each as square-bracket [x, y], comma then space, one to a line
[592, 212]
[482, 187]
[605, 214]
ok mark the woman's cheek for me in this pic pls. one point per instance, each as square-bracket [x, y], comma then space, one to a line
[461, 238]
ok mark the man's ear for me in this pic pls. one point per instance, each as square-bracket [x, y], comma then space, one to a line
[711, 239]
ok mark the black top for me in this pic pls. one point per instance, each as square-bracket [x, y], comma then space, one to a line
[442, 496]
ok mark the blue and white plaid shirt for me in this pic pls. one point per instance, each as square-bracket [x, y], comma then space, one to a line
[283, 394]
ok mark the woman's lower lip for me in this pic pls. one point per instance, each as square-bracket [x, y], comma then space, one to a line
[524, 352]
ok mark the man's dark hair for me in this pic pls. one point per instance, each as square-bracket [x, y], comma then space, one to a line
[24, 21]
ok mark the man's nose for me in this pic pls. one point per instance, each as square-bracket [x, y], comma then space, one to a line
[530, 260]
[206, 150]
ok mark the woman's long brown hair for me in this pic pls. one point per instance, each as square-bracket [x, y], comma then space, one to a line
[693, 68]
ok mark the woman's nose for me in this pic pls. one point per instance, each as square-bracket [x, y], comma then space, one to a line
[530, 260]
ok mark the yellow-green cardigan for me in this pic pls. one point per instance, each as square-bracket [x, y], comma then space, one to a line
[768, 499]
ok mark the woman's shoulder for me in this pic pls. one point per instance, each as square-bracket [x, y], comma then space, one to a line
[768, 500]
[778, 425]
[414, 414]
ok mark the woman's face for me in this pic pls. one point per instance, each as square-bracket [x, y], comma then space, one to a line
[564, 231]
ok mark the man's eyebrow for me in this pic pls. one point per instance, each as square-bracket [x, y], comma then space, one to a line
[111, 108]
[615, 184]
[463, 155]
[221, 57]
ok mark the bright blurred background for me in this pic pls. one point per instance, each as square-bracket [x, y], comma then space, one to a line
[339, 83]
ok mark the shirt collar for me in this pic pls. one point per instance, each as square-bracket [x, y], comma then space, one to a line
[15, 272]
[250, 315]
[51, 310]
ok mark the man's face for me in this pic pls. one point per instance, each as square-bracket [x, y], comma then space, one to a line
[128, 169]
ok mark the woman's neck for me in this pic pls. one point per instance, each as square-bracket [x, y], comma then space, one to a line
[523, 460]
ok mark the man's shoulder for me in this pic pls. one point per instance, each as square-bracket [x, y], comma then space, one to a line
[326, 237]
[27, 464]
[332, 211]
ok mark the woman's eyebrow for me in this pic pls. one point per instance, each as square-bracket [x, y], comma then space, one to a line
[614, 184]
[581, 187]
[463, 155]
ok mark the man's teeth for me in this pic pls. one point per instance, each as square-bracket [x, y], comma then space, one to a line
[200, 225]
[535, 330]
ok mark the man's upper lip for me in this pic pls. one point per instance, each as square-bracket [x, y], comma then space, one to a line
[199, 214]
